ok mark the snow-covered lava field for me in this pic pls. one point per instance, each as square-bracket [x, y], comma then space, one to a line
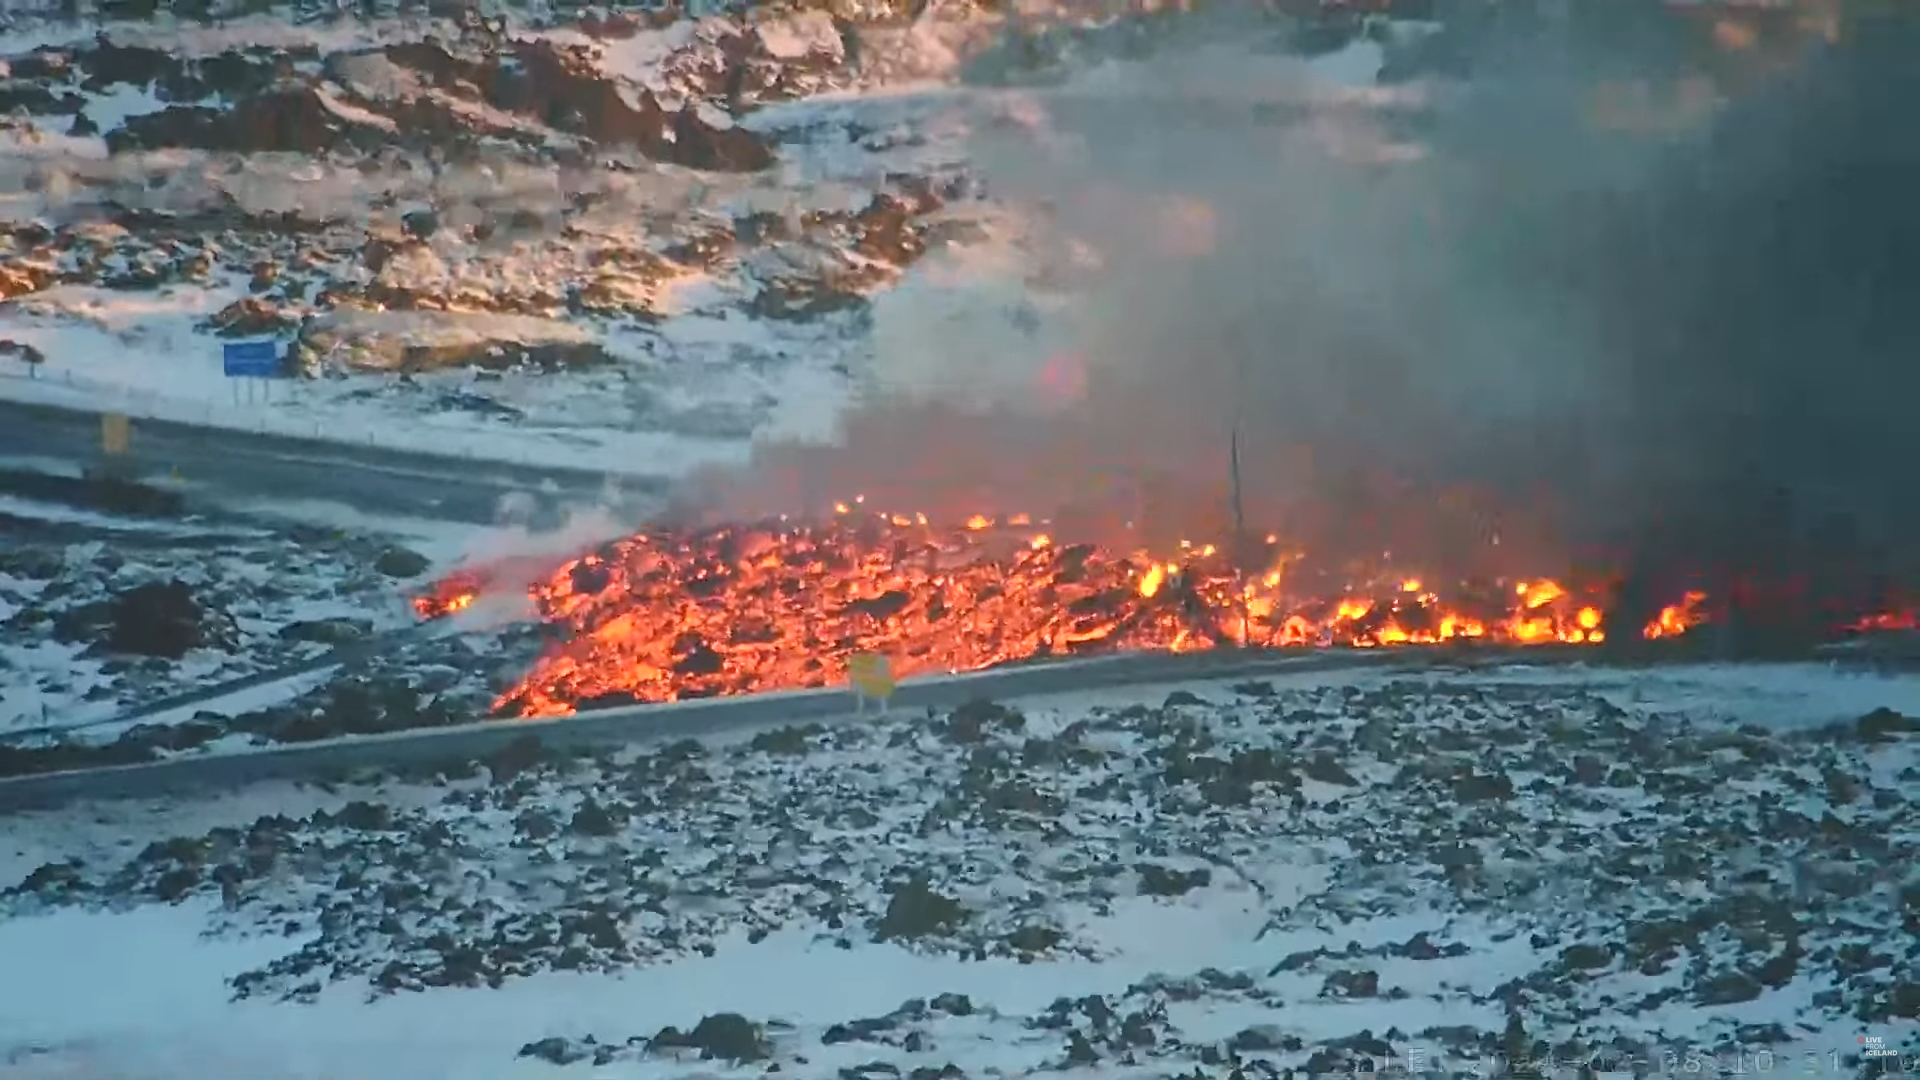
[129, 637]
[642, 243]
[1522, 872]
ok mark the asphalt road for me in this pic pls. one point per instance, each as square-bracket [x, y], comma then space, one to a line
[203, 775]
[223, 465]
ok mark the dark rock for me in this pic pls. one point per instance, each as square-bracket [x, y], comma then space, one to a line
[1034, 939]
[555, 1050]
[700, 145]
[1157, 880]
[726, 1037]
[952, 1004]
[327, 631]
[282, 121]
[515, 758]
[1255, 1040]
[250, 316]
[592, 819]
[914, 910]
[365, 816]
[421, 224]
[1327, 770]
[1361, 983]
[158, 619]
[970, 722]
[1730, 988]
[1883, 725]
[786, 741]
[1586, 957]
[1080, 1052]
[397, 562]
[1482, 787]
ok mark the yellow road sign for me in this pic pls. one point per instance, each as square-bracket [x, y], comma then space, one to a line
[115, 434]
[870, 675]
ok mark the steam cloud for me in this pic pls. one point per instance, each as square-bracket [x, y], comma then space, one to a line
[1515, 325]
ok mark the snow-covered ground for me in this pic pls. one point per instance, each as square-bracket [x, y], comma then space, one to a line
[102, 613]
[1445, 875]
[635, 313]
[83, 630]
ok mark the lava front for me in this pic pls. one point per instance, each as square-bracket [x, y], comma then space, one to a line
[666, 615]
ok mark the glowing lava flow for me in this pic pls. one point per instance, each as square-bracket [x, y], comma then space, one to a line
[668, 615]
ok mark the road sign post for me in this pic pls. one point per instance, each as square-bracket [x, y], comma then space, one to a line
[872, 677]
[250, 360]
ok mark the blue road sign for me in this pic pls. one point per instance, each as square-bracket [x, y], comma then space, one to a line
[250, 359]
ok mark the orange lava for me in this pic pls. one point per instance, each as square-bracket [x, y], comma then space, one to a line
[669, 615]
[663, 615]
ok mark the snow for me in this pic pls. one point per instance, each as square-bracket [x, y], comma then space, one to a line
[256, 576]
[797, 36]
[142, 993]
[1779, 696]
[697, 389]
[141, 988]
[147, 363]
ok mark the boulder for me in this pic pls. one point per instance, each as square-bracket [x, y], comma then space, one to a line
[160, 619]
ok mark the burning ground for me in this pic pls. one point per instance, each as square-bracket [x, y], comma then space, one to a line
[670, 614]
[1209, 880]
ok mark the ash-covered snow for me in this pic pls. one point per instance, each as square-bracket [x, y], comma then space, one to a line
[1320, 873]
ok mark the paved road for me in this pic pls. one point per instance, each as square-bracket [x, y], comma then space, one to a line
[208, 774]
[222, 464]
[210, 693]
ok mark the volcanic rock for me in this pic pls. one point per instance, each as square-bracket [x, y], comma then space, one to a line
[1481, 787]
[1361, 983]
[400, 562]
[1586, 957]
[284, 121]
[1157, 880]
[700, 145]
[327, 631]
[1326, 769]
[160, 619]
[915, 910]
[719, 1037]
[1884, 725]
[249, 316]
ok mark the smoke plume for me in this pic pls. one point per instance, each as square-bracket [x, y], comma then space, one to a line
[1457, 323]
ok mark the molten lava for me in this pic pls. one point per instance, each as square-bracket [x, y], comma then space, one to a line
[667, 615]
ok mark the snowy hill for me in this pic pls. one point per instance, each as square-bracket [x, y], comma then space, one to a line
[539, 234]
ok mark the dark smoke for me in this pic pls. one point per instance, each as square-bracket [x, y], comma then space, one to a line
[1483, 332]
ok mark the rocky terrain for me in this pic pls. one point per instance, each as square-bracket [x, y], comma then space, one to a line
[128, 636]
[537, 220]
[1445, 872]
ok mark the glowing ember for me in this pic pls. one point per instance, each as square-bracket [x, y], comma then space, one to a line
[1677, 619]
[664, 615]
